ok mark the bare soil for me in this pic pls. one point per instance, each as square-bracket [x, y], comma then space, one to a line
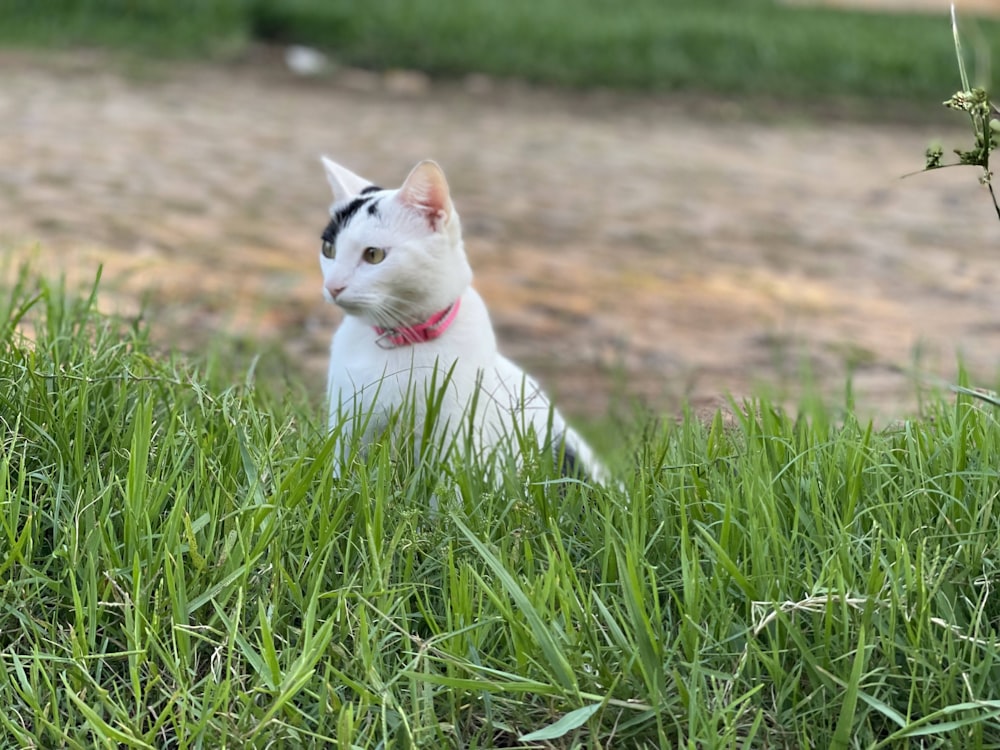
[643, 246]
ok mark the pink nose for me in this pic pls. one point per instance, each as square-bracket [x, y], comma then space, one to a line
[335, 291]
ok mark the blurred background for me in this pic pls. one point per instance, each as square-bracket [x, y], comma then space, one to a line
[664, 201]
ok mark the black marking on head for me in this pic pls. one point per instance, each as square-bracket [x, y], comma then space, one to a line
[346, 212]
[373, 209]
[330, 233]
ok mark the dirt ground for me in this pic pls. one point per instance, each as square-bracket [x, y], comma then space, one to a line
[647, 246]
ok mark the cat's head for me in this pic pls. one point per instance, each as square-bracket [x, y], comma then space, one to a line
[393, 257]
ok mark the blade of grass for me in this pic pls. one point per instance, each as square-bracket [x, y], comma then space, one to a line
[555, 658]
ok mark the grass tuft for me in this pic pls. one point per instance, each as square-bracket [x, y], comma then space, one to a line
[179, 568]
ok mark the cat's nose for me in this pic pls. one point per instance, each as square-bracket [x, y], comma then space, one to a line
[334, 291]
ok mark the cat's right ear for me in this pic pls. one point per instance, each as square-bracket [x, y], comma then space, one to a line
[344, 183]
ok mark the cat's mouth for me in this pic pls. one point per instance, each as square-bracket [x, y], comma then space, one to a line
[349, 306]
[344, 302]
[356, 308]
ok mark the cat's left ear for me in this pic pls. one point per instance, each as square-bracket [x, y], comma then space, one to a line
[344, 183]
[426, 190]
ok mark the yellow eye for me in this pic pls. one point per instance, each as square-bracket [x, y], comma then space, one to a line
[374, 255]
[328, 249]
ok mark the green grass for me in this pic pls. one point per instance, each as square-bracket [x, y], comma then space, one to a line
[742, 47]
[179, 568]
[161, 28]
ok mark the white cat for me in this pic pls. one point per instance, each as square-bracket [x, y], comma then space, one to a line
[394, 262]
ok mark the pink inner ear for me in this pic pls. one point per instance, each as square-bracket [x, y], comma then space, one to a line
[427, 190]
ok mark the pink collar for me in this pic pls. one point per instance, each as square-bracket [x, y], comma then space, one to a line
[430, 329]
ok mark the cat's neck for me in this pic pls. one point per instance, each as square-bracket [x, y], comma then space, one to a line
[432, 328]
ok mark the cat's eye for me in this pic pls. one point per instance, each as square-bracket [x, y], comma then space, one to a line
[328, 249]
[374, 255]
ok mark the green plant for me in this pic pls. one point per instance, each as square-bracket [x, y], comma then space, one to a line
[975, 102]
[179, 568]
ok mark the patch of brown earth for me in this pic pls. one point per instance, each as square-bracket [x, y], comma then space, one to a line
[688, 254]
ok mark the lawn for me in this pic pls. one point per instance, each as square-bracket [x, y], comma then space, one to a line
[756, 48]
[180, 569]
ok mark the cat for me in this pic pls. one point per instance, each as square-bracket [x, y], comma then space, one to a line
[394, 262]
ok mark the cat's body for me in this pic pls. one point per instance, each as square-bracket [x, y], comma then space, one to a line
[393, 260]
